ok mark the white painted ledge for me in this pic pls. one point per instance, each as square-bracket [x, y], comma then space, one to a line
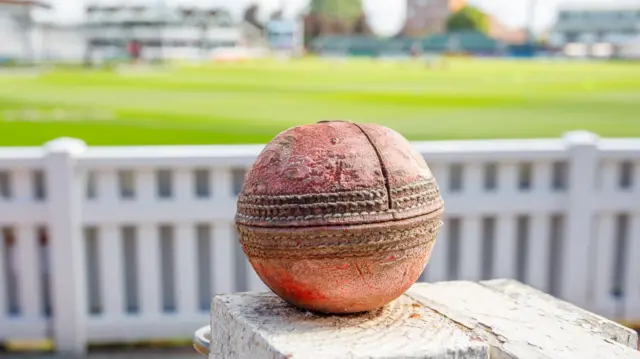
[462, 320]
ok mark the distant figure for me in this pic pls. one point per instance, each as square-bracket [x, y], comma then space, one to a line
[88, 56]
[134, 49]
[415, 50]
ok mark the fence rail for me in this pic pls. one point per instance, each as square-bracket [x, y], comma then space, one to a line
[117, 244]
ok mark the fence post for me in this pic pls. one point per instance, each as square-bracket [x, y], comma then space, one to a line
[583, 164]
[68, 292]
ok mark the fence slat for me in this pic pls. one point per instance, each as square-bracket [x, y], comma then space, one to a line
[6, 183]
[111, 271]
[632, 275]
[107, 186]
[508, 178]
[22, 185]
[212, 260]
[223, 257]
[186, 265]
[145, 186]
[437, 170]
[149, 270]
[28, 273]
[473, 178]
[609, 177]
[505, 247]
[223, 184]
[506, 239]
[184, 184]
[437, 267]
[542, 177]
[441, 173]
[538, 263]
[3, 286]
[471, 249]
[63, 188]
[636, 178]
[582, 171]
[603, 280]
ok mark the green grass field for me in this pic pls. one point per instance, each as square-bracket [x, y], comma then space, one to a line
[253, 101]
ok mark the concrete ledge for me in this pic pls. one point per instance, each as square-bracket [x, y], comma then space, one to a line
[495, 319]
[565, 311]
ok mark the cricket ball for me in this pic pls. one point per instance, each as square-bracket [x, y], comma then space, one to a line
[339, 217]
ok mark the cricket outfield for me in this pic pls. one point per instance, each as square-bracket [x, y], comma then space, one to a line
[250, 102]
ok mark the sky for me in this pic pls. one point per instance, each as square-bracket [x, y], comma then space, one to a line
[386, 16]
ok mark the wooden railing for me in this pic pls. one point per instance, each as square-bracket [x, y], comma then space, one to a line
[117, 244]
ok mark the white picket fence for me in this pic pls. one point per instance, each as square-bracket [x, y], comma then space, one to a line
[120, 244]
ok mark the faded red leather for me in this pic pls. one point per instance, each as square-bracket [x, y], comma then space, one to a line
[339, 217]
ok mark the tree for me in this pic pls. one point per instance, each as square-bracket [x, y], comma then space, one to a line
[468, 18]
[345, 10]
[335, 17]
[339, 27]
[361, 27]
[251, 16]
[312, 28]
[277, 15]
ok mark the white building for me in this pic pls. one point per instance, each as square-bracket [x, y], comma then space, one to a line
[17, 29]
[285, 37]
[595, 29]
[59, 43]
[631, 49]
[189, 33]
[164, 33]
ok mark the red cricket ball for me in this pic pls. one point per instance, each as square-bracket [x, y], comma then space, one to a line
[339, 217]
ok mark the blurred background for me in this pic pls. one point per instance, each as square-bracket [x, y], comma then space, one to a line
[126, 128]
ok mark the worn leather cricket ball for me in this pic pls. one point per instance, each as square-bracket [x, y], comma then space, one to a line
[338, 217]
